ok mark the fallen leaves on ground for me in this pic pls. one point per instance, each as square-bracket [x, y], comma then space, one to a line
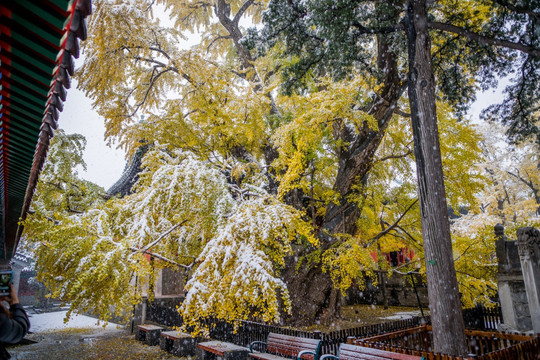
[87, 344]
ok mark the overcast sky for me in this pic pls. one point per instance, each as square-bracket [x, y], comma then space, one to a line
[104, 164]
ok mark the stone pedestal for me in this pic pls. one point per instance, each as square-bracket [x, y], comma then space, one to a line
[512, 295]
[514, 305]
[178, 343]
[529, 254]
[220, 350]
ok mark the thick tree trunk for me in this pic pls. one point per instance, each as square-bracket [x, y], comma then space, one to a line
[446, 316]
[312, 296]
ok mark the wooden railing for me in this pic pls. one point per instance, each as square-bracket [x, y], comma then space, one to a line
[333, 339]
[247, 332]
[481, 318]
[482, 345]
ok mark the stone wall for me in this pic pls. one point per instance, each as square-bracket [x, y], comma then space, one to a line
[528, 240]
[399, 292]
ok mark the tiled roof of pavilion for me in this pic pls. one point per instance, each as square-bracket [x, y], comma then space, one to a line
[38, 41]
[130, 175]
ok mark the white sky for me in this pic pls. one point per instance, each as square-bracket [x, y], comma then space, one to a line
[104, 164]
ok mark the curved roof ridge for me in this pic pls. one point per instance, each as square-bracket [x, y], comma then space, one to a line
[37, 45]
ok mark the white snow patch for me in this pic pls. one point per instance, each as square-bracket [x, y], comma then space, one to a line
[403, 315]
[55, 321]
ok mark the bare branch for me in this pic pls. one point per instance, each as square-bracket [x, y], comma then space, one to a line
[529, 184]
[241, 11]
[150, 5]
[415, 241]
[400, 156]
[407, 264]
[152, 81]
[402, 113]
[160, 257]
[463, 253]
[161, 51]
[393, 226]
[219, 37]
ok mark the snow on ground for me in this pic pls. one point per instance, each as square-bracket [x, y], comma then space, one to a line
[55, 321]
[402, 315]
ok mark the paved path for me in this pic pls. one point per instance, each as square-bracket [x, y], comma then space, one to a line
[86, 344]
[81, 339]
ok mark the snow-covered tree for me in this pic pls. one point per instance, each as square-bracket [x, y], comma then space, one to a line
[510, 198]
[183, 215]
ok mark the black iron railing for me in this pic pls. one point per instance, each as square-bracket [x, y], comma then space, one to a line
[245, 332]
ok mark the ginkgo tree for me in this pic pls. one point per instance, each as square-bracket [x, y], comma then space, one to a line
[184, 216]
[444, 49]
[237, 172]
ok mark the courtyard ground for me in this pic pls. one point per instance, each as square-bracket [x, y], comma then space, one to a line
[82, 338]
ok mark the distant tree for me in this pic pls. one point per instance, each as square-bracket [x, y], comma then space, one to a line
[510, 198]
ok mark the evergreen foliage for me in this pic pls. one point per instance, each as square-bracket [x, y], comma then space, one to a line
[475, 43]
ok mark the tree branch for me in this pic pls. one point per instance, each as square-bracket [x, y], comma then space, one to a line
[407, 264]
[219, 37]
[394, 225]
[241, 11]
[484, 39]
[529, 184]
[395, 156]
[416, 241]
[402, 113]
[160, 257]
[144, 249]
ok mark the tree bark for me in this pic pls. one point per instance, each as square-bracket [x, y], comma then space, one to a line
[310, 290]
[443, 292]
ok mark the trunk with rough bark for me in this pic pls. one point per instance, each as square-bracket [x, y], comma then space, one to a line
[445, 307]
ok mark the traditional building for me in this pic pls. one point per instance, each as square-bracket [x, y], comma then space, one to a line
[38, 41]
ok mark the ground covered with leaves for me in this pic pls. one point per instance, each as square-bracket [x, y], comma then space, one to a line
[86, 344]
